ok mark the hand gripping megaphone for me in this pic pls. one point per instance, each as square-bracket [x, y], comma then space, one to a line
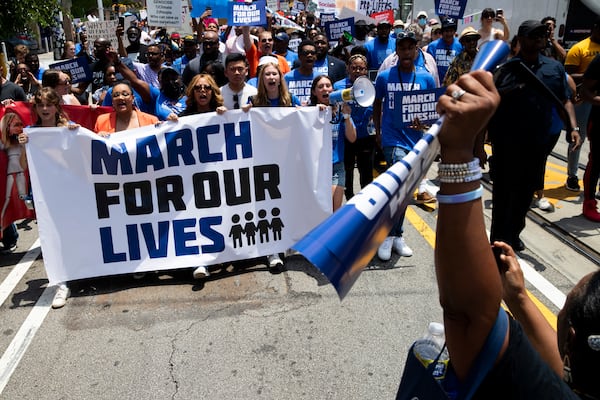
[362, 92]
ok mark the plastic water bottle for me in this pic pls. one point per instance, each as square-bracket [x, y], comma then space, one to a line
[428, 347]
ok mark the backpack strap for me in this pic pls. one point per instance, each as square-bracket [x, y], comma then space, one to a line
[487, 357]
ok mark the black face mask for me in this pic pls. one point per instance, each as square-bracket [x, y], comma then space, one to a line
[173, 89]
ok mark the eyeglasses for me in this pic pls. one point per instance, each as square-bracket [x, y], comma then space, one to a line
[121, 94]
[206, 88]
[357, 68]
[471, 39]
[405, 35]
[236, 101]
[210, 42]
[308, 52]
[266, 40]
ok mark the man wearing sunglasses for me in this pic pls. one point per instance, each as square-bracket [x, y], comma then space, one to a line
[264, 48]
[210, 53]
[299, 80]
[520, 130]
[445, 48]
[380, 47]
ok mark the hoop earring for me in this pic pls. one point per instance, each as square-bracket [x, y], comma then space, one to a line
[567, 377]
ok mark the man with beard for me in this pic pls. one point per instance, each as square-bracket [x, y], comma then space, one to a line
[299, 80]
[265, 48]
[382, 46]
[136, 50]
[237, 91]
[101, 49]
[210, 53]
[391, 133]
[326, 64]
[149, 72]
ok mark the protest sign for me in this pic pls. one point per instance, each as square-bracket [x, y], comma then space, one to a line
[417, 104]
[368, 7]
[164, 12]
[204, 190]
[337, 28]
[102, 29]
[450, 8]
[243, 14]
[78, 69]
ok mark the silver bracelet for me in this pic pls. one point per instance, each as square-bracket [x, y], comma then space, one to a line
[460, 173]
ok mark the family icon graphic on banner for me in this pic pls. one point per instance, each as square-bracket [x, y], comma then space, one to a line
[250, 229]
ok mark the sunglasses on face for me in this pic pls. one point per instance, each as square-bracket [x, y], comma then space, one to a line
[266, 40]
[309, 52]
[206, 88]
[488, 15]
[210, 42]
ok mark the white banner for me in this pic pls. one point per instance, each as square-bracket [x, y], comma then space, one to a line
[368, 7]
[205, 190]
[164, 12]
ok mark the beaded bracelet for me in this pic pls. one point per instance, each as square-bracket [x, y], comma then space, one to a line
[459, 173]
[460, 197]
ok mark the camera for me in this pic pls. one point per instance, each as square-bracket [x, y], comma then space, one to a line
[499, 13]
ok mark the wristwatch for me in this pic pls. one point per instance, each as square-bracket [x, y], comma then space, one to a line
[576, 129]
[346, 116]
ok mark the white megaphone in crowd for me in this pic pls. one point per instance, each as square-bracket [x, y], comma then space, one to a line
[362, 92]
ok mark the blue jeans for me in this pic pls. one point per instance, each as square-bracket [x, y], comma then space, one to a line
[392, 156]
[582, 113]
[9, 236]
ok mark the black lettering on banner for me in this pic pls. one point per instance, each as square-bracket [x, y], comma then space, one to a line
[103, 200]
[130, 191]
[266, 179]
[200, 196]
[170, 189]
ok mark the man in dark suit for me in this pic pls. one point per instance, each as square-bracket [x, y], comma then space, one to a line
[326, 64]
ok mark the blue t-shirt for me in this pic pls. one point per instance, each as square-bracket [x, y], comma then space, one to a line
[360, 115]
[443, 54]
[377, 52]
[290, 57]
[165, 106]
[299, 85]
[275, 102]
[389, 87]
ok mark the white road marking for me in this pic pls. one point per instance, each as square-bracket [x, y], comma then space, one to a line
[16, 349]
[15, 276]
[542, 284]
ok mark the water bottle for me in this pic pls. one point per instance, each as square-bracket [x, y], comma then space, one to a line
[429, 347]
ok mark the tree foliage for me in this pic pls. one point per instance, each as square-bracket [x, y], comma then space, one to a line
[18, 15]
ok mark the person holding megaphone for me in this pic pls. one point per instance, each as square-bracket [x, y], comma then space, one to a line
[342, 128]
[363, 149]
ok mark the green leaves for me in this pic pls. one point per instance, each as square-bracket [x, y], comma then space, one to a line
[18, 16]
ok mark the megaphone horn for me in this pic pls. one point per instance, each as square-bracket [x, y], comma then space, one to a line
[363, 92]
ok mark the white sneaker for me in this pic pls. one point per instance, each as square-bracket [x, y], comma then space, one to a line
[275, 261]
[401, 247]
[384, 252]
[543, 204]
[61, 295]
[201, 272]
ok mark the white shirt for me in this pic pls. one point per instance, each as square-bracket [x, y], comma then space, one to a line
[227, 93]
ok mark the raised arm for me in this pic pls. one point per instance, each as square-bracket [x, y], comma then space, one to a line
[467, 275]
[142, 87]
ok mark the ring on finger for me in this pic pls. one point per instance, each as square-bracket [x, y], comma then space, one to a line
[457, 94]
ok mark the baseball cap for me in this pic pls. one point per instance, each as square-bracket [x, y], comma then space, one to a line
[422, 14]
[189, 38]
[384, 22]
[530, 26]
[175, 35]
[282, 36]
[449, 23]
[268, 60]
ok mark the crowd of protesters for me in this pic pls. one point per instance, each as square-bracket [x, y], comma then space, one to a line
[156, 75]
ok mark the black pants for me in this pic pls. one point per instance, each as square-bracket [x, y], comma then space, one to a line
[361, 152]
[516, 178]
[592, 169]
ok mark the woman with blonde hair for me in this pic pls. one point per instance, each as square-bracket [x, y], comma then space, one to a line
[272, 90]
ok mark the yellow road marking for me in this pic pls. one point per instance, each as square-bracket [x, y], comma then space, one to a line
[429, 235]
